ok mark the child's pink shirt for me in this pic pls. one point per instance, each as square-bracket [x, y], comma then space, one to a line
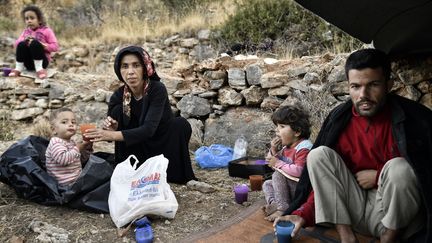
[44, 35]
[293, 159]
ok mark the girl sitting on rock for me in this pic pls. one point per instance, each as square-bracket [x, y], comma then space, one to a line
[35, 44]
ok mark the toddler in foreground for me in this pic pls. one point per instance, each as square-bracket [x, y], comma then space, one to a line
[63, 156]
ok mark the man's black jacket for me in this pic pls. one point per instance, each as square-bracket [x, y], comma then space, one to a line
[412, 130]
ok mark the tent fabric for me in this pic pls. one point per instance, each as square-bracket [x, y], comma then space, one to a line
[22, 166]
[398, 27]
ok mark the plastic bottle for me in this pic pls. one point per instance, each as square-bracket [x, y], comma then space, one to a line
[240, 147]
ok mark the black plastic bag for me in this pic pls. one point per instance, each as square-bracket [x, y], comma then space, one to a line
[22, 166]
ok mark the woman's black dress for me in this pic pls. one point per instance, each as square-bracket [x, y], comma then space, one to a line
[153, 130]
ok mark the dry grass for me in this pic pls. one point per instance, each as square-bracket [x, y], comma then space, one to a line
[131, 28]
[318, 107]
[346, 46]
[6, 126]
[287, 53]
[124, 29]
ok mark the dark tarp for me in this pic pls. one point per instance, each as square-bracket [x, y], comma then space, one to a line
[22, 166]
[397, 27]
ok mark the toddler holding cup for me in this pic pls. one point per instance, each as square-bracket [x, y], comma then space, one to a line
[64, 157]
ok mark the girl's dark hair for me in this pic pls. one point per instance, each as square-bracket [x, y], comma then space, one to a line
[38, 12]
[295, 117]
[56, 112]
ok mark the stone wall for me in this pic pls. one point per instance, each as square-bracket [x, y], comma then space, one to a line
[222, 97]
[171, 52]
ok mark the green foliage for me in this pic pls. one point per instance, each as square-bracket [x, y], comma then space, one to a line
[285, 21]
[257, 20]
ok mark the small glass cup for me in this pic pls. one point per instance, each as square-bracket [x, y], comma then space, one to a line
[283, 231]
[86, 126]
[6, 71]
[256, 182]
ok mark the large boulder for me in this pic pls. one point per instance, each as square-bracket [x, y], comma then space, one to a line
[193, 106]
[254, 124]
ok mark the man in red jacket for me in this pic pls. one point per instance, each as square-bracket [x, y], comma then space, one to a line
[365, 175]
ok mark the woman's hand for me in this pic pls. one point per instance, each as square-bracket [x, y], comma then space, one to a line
[110, 124]
[298, 222]
[96, 135]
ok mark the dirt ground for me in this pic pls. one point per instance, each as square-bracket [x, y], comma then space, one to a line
[197, 212]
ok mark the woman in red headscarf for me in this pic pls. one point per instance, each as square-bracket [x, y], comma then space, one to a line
[140, 119]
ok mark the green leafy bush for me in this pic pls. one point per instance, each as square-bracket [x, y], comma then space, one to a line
[256, 21]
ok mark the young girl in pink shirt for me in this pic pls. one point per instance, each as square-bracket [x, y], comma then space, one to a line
[287, 156]
[35, 44]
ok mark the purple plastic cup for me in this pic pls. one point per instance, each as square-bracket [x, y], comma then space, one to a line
[6, 71]
[241, 193]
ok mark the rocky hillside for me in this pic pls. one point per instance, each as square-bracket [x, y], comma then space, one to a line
[222, 96]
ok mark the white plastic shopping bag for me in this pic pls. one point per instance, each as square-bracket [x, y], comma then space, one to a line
[136, 192]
